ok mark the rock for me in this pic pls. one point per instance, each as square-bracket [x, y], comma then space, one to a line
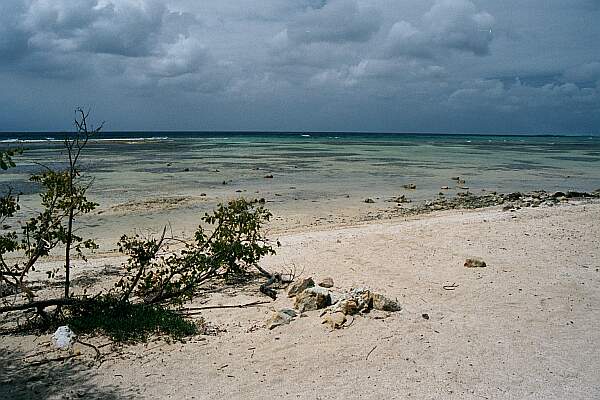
[425, 316]
[311, 300]
[369, 201]
[289, 311]
[411, 186]
[475, 263]
[347, 307]
[64, 338]
[382, 303]
[399, 199]
[281, 317]
[363, 298]
[186, 170]
[300, 286]
[335, 320]
[507, 207]
[573, 194]
[318, 290]
[357, 300]
[326, 282]
[514, 196]
[334, 297]
[268, 176]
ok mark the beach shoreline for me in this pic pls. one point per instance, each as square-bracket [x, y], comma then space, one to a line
[523, 327]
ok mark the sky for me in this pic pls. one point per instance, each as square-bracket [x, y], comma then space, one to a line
[444, 66]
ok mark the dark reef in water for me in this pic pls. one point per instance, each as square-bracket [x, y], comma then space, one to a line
[510, 201]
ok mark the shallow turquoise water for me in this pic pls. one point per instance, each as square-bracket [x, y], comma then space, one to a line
[136, 165]
[317, 178]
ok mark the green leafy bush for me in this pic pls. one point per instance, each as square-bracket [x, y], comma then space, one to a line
[127, 322]
[6, 156]
[228, 244]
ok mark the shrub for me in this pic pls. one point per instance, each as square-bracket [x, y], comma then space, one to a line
[127, 322]
[229, 244]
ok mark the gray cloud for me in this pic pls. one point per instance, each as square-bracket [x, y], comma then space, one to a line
[62, 38]
[123, 28]
[330, 34]
[584, 73]
[13, 41]
[449, 24]
[424, 65]
[516, 97]
[337, 21]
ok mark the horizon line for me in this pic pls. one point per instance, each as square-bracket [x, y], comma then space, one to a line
[317, 132]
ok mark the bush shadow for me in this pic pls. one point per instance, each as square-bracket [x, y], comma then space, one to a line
[21, 378]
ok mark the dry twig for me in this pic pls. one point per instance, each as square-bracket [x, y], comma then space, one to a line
[254, 303]
[369, 353]
[450, 287]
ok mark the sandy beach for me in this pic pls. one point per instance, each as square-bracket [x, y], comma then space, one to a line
[315, 199]
[526, 326]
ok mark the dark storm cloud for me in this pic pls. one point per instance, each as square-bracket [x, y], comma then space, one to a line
[13, 41]
[69, 38]
[426, 65]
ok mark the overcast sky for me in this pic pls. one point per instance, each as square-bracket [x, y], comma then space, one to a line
[330, 65]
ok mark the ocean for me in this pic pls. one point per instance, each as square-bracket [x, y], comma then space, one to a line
[154, 178]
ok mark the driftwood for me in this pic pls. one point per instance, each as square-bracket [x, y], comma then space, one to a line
[91, 346]
[41, 304]
[254, 303]
[267, 290]
[274, 278]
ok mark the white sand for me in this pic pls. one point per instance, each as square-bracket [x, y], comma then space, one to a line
[527, 326]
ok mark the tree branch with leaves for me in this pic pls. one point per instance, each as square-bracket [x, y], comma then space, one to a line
[230, 242]
[62, 200]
